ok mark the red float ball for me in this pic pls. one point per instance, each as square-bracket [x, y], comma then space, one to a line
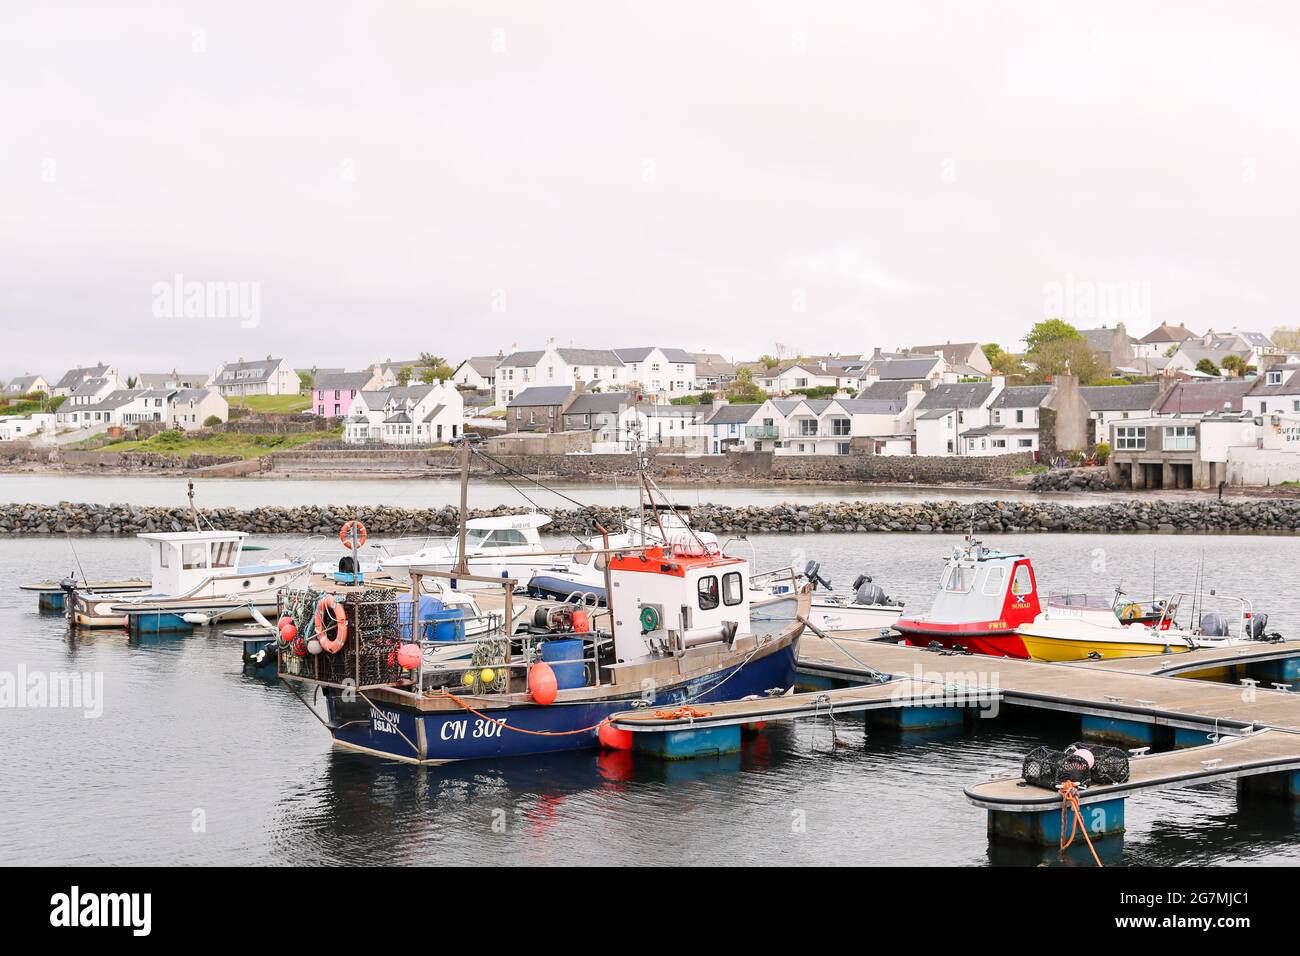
[614, 738]
[581, 622]
[409, 656]
[541, 683]
[288, 630]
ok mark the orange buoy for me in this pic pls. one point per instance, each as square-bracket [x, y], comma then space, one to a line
[288, 630]
[581, 622]
[614, 738]
[409, 656]
[541, 683]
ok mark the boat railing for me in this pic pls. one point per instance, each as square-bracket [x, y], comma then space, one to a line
[1239, 617]
[1091, 602]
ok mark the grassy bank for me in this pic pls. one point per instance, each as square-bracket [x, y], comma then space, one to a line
[222, 443]
[283, 404]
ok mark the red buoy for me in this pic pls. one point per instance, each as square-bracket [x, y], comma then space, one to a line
[288, 631]
[541, 683]
[581, 622]
[409, 656]
[614, 738]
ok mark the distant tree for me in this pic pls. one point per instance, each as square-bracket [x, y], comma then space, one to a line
[1235, 364]
[211, 421]
[743, 390]
[1066, 356]
[306, 381]
[1169, 352]
[1207, 366]
[404, 376]
[130, 382]
[1286, 339]
[769, 362]
[1004, 363]
[706, 398]
[991, 351]
[1051, 330]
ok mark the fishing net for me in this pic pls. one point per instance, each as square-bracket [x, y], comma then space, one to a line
[1048, 768]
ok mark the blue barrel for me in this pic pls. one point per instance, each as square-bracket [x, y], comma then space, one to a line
[448, 624]
[565, 658]
[429, 607]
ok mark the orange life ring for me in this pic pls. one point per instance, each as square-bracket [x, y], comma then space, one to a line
[332, 644]
[346, 531]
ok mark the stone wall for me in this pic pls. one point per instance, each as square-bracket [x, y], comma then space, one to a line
[931, 517]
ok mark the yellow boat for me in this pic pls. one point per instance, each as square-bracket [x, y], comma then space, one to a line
[1076, 627]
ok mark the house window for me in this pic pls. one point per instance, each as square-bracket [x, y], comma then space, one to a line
[1025, 443]
[1274, 378]
[807, 426]
[1130, 438]
[840, 426]
[1180, 438]
[1020, 415]
[708, 591]
[842, 448]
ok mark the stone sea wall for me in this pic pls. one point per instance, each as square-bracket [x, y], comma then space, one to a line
[936, 517]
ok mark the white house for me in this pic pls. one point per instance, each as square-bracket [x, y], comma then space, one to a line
[949, 411]
[681, 427]
[80, 407]
[658, 372]
[1275, 391]
[190, 408]
[271, 376]
[1160, 340]
[555, 366]
[75, 377]
[725, 427]
[406, 415]
[904, 367]
[478, 372]
[1013, 423]
[172, 379]
[28, 385]
[18, 427]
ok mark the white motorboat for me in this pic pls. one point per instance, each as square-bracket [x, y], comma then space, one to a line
[499, 547]
[195, 577]
[865, 607]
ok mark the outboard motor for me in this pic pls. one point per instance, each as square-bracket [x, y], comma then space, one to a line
[1257, 625]
[868, 593]
[1214, 624]
[813, 572]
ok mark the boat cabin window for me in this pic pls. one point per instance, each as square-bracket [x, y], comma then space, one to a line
[507, 538]
[708, 592]
[474, 537]
[164, 555]
[994, 581]
[959, 579]
[732, 589]
[1020, 584]
[194, 556]
[582, 557]
[223, 554]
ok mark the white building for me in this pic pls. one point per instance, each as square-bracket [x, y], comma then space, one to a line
[555, 366]
[76, 377]
[1275, 391]
[406, 415]
[271, 376]
[658, 372]
[479, 372]
[725, 426]
[190, 408]
[27, 385]
[20, 427]
[949, 411]
[1112, 403]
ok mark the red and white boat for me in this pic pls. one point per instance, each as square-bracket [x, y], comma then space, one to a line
[984, 595]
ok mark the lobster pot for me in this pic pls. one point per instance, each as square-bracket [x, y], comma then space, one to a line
[1110, 764]
[368, 658]
[565, 657]
[1048, 768]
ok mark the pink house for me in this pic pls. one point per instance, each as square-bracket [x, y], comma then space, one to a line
[334, 391]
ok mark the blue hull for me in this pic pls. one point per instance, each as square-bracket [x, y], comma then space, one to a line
[461, 735]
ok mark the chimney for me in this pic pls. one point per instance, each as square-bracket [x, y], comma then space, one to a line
[999, 381]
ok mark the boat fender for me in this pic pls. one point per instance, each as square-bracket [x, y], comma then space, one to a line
[331, 644]
[345, 533]
[409, 656]
[542, 685]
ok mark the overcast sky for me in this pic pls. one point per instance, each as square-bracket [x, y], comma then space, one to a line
[716, 176]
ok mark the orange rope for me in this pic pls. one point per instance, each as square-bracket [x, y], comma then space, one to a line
[1070, 798]
[681, 712]
[521, 730]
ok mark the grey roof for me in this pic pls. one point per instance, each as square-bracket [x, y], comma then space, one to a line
[399, 418]
[484, 365]
[1194, 353]
[186, 395]
[252, 371]
[1022, 396]
[933, 412]
[22, 383]
[903, 368]
[1100, 340]
[954, 352]
[1201, 397]
[344, 380]
[115, 399]
[872, 406]
[733, 414]
[711, 364]
[786, 405]
[892, 393]
[957, 395]
[541, 395]
[1120, 398]
[1290, 384]
[1165, 333]
[405, 393]
[641, 354]
[595, 403]
[572, 356]
[437, 410]
[168, 379]
[89, 387]
[73, 376]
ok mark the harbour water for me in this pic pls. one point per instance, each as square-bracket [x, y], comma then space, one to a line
[194, 761]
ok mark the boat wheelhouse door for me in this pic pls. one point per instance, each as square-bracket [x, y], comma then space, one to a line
[1021, 605]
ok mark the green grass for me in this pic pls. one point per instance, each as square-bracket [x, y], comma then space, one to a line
[224, 444]
[26, 406]
[282, 404]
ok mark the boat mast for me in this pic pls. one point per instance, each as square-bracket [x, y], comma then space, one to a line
[194, 512]
[462, 564]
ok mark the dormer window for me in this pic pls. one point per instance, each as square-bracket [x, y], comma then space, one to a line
[1274, 378]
